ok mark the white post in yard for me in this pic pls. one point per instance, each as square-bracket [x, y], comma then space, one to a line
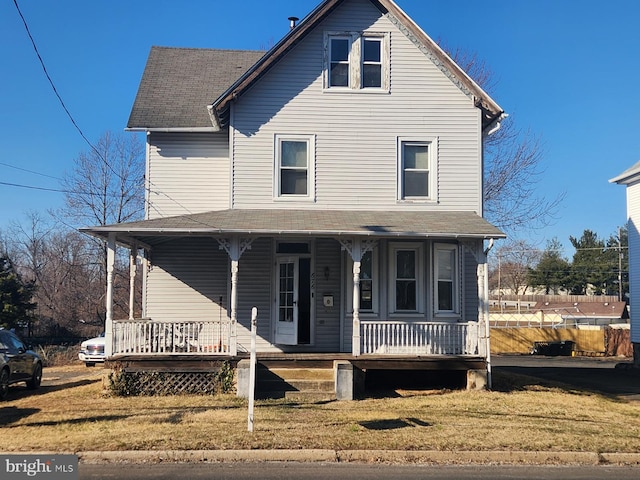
[252, 367]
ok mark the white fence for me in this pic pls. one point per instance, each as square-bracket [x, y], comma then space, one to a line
[420, 338]
[148, 337]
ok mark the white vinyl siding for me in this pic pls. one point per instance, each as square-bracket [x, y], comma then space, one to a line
[356, 133]
[186, 280]
[633, 212]
[187, 173]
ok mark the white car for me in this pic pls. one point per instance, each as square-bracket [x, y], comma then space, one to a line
[92, 351]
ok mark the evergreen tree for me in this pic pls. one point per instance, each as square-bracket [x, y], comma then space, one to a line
[552, 270]
[16, 306]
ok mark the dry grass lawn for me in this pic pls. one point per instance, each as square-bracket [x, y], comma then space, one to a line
[73, 417]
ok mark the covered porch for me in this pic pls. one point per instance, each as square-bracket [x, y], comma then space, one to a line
[334, 251]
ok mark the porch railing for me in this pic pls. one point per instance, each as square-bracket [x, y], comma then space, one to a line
[149, 337]
[419, 338]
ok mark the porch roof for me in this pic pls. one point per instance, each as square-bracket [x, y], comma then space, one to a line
[328, 223]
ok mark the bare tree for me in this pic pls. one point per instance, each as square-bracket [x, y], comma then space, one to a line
[510, 266]
[106, 183]
[513, 166]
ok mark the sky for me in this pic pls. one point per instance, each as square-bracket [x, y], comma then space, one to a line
[567, 71]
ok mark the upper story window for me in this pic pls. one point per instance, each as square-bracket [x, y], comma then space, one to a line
[371, 62]
[339, 52]
[294, 166]
[357, 61]
[416, 172]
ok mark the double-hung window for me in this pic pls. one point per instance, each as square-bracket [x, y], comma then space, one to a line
[369, 301]
[339, 65]
[415, 170]
[372, 62]
[407, 269]
[356, 61]
[294, 166]
[446, 279]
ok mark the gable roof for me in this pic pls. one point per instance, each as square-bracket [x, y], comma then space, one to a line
[492, 112]
[172, 94]
[630, 175]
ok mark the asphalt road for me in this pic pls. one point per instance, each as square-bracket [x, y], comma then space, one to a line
[325, 471]
[593, 374]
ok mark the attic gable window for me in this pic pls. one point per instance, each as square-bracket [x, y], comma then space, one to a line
[339, 48]
[356, 62]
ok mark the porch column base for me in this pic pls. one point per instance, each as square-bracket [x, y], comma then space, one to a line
[477, 379]
[242, 378]
[349, 380]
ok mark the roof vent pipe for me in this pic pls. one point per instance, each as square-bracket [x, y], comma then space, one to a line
[292, 22]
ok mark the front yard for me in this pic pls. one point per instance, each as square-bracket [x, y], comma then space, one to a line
[72, 413]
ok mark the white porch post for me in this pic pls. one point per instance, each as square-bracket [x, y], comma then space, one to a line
[234, 248]
[132, 279]
[356, 254]
[484, 333]
[111, 257]
[234, 305]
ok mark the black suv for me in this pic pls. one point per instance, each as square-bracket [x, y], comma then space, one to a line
[17, 363]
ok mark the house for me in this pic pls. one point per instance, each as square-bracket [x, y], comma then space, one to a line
[575, 314]
[631, 178]
[333, 182]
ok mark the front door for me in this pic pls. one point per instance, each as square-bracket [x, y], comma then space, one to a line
[293, 301]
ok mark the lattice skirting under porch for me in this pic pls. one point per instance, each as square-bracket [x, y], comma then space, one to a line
[123, 380]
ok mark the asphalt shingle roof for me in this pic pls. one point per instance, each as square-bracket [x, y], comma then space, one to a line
[260, 222]
[179, 83]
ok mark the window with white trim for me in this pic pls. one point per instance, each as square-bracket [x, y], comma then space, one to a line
[294, 166]
[372, 62]
[415, 171]
[447, 279]
[339, 53]
[407, 270]
[368, 283]
[356, 61]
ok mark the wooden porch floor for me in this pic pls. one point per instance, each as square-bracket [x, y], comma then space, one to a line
[202, 363]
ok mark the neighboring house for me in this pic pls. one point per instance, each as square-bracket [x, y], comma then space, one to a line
[335, 183]
[631, 178]
[574, 314]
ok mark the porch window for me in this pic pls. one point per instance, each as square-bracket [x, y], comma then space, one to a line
[294, 167]
[415, 172]
[446, 278]
[407, 278]
[368, 283]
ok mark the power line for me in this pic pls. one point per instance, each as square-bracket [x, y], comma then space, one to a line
[30, 171]
[55, 91]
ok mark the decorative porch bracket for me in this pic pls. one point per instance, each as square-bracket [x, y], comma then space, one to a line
[234, 247]
[357, 248]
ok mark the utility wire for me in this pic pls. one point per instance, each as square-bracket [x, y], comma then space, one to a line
[30, 171]
[55, 91]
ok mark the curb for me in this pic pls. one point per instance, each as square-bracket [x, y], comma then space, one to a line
[505, 457]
